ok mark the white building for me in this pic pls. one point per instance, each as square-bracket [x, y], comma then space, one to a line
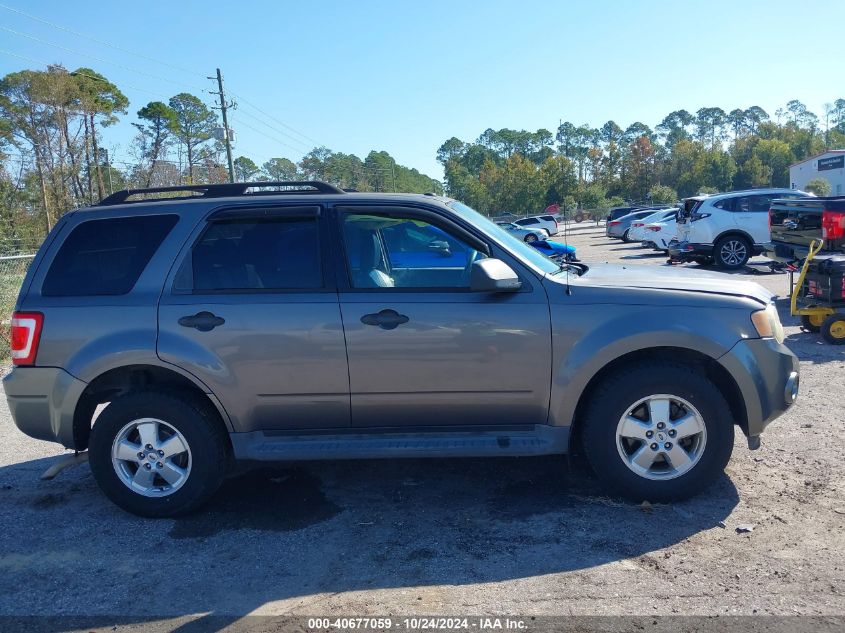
[829, 165]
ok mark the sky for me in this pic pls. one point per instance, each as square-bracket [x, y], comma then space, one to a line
[404, 77]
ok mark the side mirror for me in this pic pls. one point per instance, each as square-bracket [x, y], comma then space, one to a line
[440, 247]
[493, 275]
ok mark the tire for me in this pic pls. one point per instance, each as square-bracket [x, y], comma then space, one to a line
[812, 322]
[530, 238]
[626, 236]
[200, 468]
[579, 217]
[731, 252]
[833, 329]
[609, 455]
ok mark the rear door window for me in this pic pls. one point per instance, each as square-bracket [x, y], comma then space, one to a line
[105, 257]
[253, 254]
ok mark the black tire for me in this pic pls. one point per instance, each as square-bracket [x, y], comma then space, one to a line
[621, 390]
[812, 323]
[731, 252]
[202, 430]
[530, 238]
[833, 329]
[625, 236]
[579, 217]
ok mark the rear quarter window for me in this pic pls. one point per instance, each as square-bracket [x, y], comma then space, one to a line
[105, 257]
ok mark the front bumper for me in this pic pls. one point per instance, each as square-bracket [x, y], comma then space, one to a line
[766, 373]
[43, 401]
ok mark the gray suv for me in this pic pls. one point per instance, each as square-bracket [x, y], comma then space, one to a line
[173, 336]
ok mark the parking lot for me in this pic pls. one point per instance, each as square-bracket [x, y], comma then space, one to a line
[511, 536]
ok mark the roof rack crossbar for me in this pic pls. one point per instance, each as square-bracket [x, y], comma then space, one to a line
[222, 190]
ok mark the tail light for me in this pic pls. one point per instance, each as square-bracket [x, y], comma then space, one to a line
[25, 336]
[615, 223]
[636, 225]
[656, 229]
[833, 225]
[770, 219]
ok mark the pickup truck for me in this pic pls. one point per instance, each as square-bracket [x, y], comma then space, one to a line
[798, 221]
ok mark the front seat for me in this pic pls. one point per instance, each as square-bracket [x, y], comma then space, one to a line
[371, 263]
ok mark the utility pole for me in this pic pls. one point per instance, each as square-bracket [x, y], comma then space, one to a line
[226, 135]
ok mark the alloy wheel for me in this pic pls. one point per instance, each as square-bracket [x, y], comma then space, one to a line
[661, 437]
[733, 253]
[151, 457]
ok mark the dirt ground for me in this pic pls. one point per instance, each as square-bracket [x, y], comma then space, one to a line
[528, 537]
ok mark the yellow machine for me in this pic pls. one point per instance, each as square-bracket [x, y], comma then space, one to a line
[815, 317]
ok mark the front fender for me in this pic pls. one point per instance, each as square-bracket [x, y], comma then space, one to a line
[586, 338]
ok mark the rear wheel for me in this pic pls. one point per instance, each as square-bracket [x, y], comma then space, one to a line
[833, 329]
[158, 454]
[626, 236]
[660, 432]
[812, 322]
[530, 238]
[732, 252]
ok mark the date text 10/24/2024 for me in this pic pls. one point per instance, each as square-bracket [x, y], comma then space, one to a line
[417, 624]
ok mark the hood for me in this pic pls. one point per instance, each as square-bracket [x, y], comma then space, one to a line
[668, 278]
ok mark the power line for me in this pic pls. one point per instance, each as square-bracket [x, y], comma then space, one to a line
[95, 58]
[43, 63]
[98, 41]
[275, 129]
[262, 132]
[282, 123]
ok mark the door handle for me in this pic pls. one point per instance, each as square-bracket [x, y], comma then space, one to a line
[385, 319]
[203, 321]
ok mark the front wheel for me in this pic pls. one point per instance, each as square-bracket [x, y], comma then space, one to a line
[732, 252]
[158, 454]
[626, 236]
[530, 238]
[660, 432]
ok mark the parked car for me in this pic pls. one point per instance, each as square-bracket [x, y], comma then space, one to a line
[618, 212]
[637, 231]
[658, 235]
[796, 222]
[526, 235]
[172, 336]
[547, 222]
[726, 229]
[620, 229]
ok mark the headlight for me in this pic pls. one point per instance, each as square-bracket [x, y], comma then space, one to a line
[767, 323]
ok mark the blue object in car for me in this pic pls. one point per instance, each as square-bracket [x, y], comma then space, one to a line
[554, 249]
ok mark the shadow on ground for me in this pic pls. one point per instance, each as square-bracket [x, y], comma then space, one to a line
[300, 532]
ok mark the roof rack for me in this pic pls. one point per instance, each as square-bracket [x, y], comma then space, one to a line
[221, 190]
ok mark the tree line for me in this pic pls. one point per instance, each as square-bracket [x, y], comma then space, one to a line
[54, 126]
[685, 154]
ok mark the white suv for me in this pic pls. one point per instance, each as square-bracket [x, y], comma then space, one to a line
[727, 228]
[547, 222]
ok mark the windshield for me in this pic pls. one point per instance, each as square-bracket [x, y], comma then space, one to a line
[519, 249]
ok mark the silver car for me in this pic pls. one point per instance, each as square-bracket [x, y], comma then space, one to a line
[620, 227]
[525, 234]
[171, 337]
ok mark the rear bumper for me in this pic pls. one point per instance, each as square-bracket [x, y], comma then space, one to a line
[783, 252]
[42, 401]
[766, 373]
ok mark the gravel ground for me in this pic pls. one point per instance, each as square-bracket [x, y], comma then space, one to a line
[525, 536]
